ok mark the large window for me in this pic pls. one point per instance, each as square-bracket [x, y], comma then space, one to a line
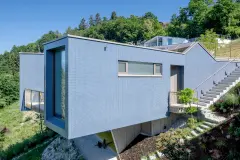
[139, 68]
[59, 84]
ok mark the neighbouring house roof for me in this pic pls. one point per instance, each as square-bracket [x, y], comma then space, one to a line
[180, 48]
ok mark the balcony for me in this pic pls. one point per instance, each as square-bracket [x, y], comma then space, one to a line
[175, 105]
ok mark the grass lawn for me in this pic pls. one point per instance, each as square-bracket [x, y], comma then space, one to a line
[18, 130]
[108, 136]
[22, 131]
[225, 51]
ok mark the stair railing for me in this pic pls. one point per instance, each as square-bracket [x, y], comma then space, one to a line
[212, 76]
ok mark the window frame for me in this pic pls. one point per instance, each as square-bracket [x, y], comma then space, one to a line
[126, 66]
[155, 68]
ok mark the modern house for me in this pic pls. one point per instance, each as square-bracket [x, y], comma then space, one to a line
[90, 86]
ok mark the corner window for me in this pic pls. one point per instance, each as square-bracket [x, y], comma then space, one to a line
[139, 68]
[34, 100]
[59, 84]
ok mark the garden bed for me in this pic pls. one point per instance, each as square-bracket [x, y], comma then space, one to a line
[141, 146]
[221, 142]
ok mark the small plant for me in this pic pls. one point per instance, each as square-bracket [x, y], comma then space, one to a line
[212, 108]
[220, 144]
[191, 122]
[186, 96]
[191, 110]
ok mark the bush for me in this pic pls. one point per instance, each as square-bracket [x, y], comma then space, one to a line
[234, 128]
[191, 110]
[191, 122]
[172, 145]
[18, 148]
[227, 103]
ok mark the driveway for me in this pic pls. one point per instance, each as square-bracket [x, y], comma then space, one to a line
[88, 149]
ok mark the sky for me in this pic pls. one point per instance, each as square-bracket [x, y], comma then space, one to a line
[25, 21]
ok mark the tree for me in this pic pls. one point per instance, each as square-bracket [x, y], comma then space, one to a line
[224, 18]
[150, 15]
[209, 40]
[82, 25]
[113, 15]
[91, 21]
[186, 96]
[105, 19]
[97, 19]
[51, 35]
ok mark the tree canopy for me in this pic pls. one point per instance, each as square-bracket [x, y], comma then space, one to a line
[222, 16]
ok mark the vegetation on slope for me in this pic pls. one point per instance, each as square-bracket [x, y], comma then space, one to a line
[20, 131]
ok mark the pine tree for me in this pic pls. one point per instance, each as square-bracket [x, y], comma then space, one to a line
[82, 24]
[91, 21]
[97, 19]
[113, 15]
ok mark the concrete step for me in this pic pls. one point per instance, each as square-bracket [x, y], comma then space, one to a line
[226, 83]
[228, 79]
[218, 89]
[189, 137]
[144, 158]
[202, 104]
[204, 126]
[207, 98]
[216, 92]
[204, 101]
[194, 133]
[200, 129]
[210, 95]
[152, 156]
[159, 154]
[209, 123]
[222, 85]
[235, 73]
[233, 76]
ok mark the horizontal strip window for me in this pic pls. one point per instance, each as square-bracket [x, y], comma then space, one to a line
[128, 68]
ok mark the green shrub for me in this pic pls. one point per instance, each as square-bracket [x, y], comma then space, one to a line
[234, 128]
[191, 110]
[231, 99]
[212, 108]
[171, 144]
[191, 122]
[227, 103]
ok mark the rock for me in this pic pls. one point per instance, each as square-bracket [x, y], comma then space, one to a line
[61, 149]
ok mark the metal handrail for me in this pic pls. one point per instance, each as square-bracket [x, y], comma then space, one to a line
[215, 73]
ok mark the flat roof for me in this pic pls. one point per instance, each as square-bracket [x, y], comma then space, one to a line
[111, 42]
[32, 53]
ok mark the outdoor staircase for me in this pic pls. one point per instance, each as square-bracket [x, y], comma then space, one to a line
[214, 94]
[220, 89]
[211, 119]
